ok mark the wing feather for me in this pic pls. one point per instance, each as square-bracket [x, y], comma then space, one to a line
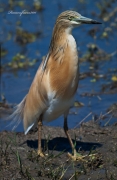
[36, 101]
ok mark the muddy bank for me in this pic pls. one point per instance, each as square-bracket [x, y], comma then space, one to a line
[18, 158]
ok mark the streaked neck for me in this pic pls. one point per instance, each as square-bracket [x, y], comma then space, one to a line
[59, 36]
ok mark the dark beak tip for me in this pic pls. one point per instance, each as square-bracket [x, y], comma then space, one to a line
[95, 22]
[98, 23]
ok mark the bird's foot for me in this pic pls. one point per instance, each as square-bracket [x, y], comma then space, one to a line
[40, 153]
[76, 157]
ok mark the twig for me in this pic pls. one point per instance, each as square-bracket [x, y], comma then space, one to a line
[102, 116]
[83, 120]
[108, 121]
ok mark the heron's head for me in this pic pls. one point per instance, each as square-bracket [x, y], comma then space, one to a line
[73, 19]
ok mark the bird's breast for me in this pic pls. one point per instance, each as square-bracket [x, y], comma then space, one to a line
[63, 72]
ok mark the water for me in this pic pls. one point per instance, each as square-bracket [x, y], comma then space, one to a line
[15, 86]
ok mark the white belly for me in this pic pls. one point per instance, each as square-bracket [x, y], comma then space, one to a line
[56, 108]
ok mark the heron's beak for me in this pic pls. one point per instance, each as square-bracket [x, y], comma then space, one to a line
[85, 20]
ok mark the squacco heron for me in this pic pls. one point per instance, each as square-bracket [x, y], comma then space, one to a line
[54, 86]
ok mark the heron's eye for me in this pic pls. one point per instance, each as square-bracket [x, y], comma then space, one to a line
[70, 18]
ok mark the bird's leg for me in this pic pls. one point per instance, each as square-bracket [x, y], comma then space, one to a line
[75, 156]
[40, 153]
[68, 136]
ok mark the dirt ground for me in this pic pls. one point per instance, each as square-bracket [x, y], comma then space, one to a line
[19, 160]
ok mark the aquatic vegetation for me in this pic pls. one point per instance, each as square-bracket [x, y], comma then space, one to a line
[37, 5]
[108, 13]
[3, 52]
[114, 78]
[23, 37]
[20, 61]
[95, 53]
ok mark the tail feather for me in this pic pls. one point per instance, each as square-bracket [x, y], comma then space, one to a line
[17, 115]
